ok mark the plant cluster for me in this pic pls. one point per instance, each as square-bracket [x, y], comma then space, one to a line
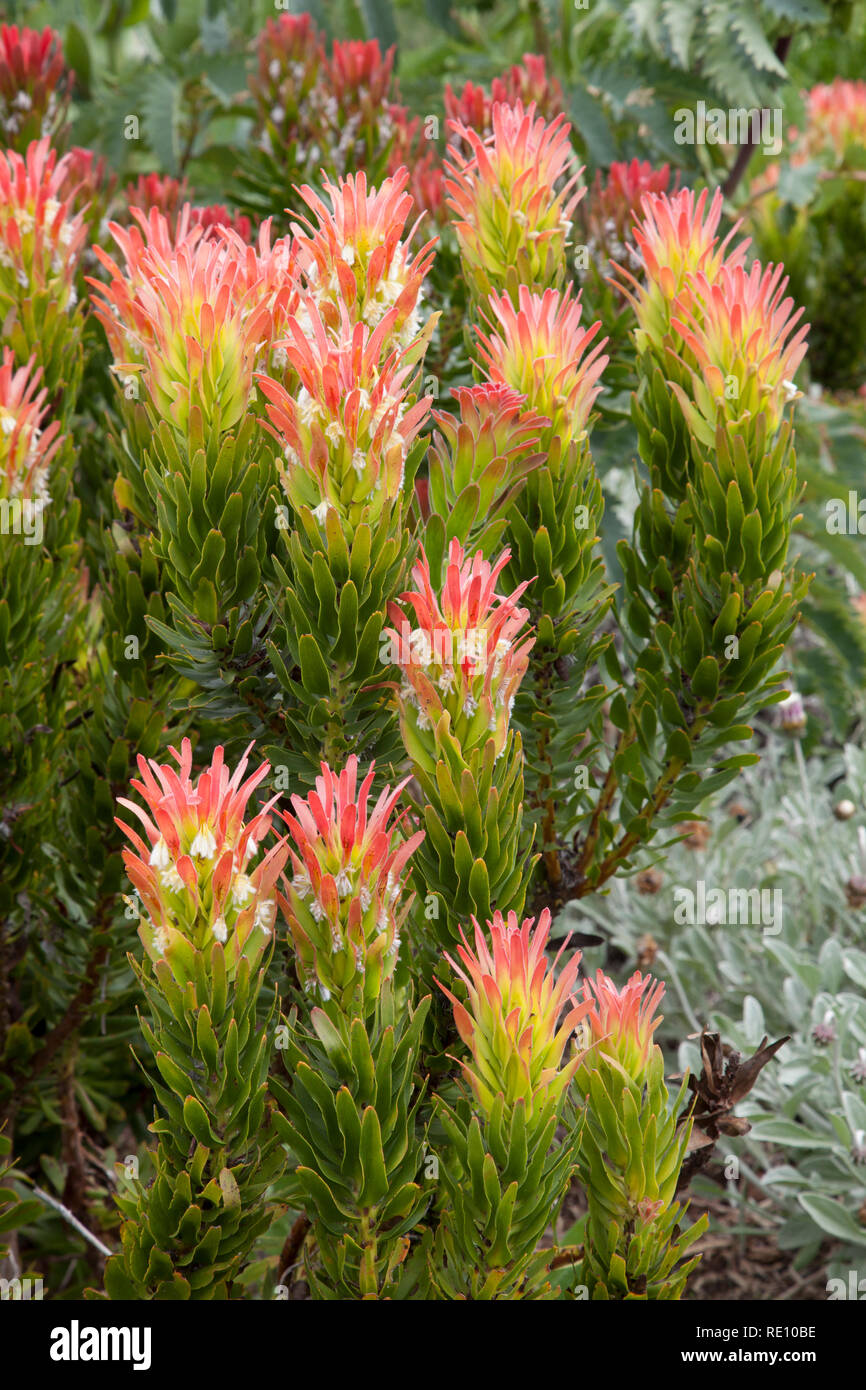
[322, 695]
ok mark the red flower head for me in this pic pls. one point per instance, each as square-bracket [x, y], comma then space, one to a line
[513, 197]
[524, 82]
[835, 121]
[194, 313]
[347, 432]
[620, 1023]
[41, 240]
[360, 110]
[158, 191]
[217, 215]
[529, 82]
[360, 75]
[343, 905]
[35, 85]
[331, 114]
[194, 878]
[169, 197]
[289, 48]
[463, 658]
[512, 1024]
[288, 83]
[538, 349]
[674, 240]
[473, 107]
[27, 444]
[614, 204]
[357, 257]
[493, 442]
[737, 341]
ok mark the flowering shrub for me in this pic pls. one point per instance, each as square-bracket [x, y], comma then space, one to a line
[25, 448]
[525, 82]
[818, 235]
[331, 113]
[347, 936]
[512, 226]
[194, 880]
[41, 241]
[34, 86]
[461, 660]
[390, 704]
[797, 1129]
[512, 1027]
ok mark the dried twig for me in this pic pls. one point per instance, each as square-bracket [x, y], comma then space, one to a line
[72, 1220]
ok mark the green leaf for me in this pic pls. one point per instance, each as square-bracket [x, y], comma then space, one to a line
[118, 1284]
[230, 1190]
[372, 1159]
[681, 16]
[135, 12]
[175, 1289]
[854, 965]
[160, 106]
[362, 1057]
[21, 1215]
[441, 13]
[379, 19]
[798, 11]
[333, 1215]
[591, 123]
[832, 1217]
[330, 1038]
[350, 1128]
[619, 714]
[705, 681]
[206, 1038]
[177, 1079]
[77, 55]
[746, 23]
[798, 183]
[314, 672]
[195, 1117]
[678, 746]
[788, 1134]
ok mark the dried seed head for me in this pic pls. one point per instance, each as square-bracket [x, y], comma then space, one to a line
[647, 950]
[648, 882]
[697, 833]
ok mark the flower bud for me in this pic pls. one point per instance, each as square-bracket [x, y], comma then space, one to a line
[344, 906]
[511, 1023]
[620, 1022]
[194, 875]
[538, 349]
[514, 197]
[463, 658]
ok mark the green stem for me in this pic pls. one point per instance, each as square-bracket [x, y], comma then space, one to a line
[367, 1273]
[543, 798]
